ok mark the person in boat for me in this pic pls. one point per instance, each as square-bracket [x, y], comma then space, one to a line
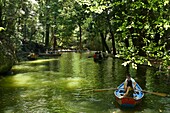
[129, 86]
[32, 56]
[100, 55]
[95, 55]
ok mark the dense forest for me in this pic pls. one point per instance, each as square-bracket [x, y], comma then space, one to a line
[135, 30]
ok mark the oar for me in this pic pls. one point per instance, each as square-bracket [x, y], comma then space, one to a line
[156, 93]
[101, 90]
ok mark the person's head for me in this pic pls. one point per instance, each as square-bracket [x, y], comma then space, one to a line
[128, 76]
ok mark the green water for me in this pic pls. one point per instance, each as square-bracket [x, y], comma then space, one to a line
[63, 84]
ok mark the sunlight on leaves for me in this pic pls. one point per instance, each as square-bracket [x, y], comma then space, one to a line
[126, 63]
[166, 2]
[33, 1]
[166, 26]
[149, 63]
[1, 28]
[134, 66]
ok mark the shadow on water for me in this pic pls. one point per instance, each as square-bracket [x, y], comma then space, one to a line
[63, 85]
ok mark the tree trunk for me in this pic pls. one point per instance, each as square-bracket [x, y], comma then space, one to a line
[1, 19]
[112, 35]
[47, 35]
[54, 35]
[25, 30]
[47, 24]
[113, 42]
[139, 44]
[104, 44]
[80, 35]
[55, 43]
[127, 42]
[53, 38]
[0, 14]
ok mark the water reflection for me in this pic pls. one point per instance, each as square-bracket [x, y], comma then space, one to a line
[63, 84]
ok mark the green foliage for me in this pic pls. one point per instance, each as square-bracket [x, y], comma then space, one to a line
[134, 24]
[1, 29]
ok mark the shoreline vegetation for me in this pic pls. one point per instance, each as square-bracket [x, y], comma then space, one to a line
[137, 31]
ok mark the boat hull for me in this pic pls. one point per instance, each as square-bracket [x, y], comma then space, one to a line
[52, 55]
[32, 56]
[128, 101]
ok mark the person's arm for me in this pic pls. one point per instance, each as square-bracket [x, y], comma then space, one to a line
[125, 84]
[134, 83]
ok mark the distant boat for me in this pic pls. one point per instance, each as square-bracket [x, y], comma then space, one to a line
[128, 101]
[99, 56]
[50, 54]
[32, 56]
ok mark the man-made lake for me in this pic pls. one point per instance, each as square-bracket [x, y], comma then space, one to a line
[62, 85]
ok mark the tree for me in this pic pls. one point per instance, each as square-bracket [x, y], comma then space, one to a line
[135, 30]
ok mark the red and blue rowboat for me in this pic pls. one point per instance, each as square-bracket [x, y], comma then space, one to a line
[128, 101]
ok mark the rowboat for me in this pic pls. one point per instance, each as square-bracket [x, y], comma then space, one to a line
[99, 56]
[49, 54]
[128, 101]
[32, 56]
